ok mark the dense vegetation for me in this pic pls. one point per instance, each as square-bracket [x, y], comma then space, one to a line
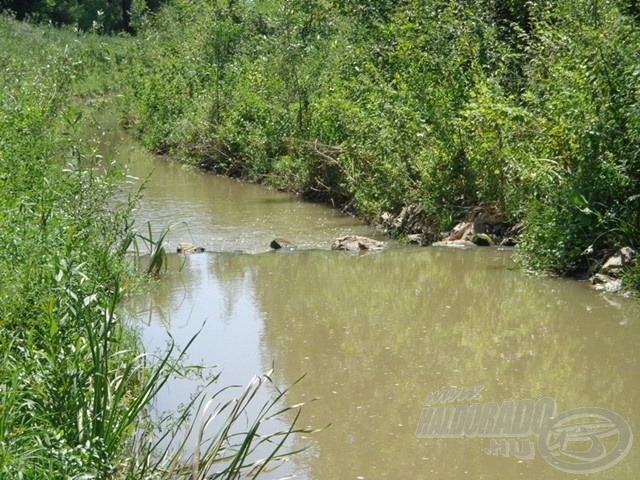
[61, 265]
[530, 108]
[77, 387]
[110, 16]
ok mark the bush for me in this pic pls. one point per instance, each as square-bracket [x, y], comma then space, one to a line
[78, 388]
[528, 108]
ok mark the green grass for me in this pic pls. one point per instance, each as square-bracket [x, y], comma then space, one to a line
[77, 387]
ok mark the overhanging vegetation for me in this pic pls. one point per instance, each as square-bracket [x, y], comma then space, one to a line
[530, 109]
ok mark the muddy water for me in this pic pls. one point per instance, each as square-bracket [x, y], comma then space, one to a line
[225, 215]
[377, 335]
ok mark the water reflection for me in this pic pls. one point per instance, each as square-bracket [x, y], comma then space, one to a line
[376, 334]
[226, 215]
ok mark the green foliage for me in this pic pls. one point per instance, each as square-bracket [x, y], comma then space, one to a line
[77, 387]
[632, 279]
[108, 16]
[62, 268]
[516, 105]
[584, 99]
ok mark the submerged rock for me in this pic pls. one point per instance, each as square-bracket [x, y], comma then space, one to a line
[189, 248]
[355, 243]
[454, 244]
[280, 244]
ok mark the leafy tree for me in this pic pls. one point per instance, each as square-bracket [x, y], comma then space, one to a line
[107, 15]
[529, 108]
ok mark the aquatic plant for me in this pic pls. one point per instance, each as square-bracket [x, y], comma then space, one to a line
[153, 248]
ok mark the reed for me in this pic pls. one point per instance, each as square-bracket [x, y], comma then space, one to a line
[154, 248]
[224, 439]
[77, 387]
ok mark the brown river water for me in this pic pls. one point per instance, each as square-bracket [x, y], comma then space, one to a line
[427, 363]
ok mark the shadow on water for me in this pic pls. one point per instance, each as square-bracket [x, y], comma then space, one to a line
[377, 334]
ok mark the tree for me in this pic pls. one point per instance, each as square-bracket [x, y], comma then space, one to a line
[111, 15]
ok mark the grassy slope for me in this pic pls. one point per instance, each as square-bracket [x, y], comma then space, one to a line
[77, 387]
[62, 267]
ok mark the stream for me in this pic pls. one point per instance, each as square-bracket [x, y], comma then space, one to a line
[426, 363]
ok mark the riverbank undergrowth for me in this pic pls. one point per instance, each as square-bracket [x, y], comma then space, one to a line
[77, 386]
[530, 109]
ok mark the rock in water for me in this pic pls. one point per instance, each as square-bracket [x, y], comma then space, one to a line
[188, 248]
[606, 283]
[619, 261]
[280, 244]
[355, 243]
[454, 244]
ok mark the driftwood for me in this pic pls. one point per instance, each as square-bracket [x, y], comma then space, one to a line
[319, 149]
[329, 155]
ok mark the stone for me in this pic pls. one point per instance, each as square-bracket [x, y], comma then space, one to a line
[280, 244]
[482, 240]
[188, 248]
[355, 243]
[619, 261]
[600, 278]
[606, 283]
[455, 244]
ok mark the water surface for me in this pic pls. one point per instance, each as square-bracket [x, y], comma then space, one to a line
[377, 334]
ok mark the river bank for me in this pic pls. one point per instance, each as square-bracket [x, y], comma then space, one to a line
[70, 374]
[441, 108]
[78, 386]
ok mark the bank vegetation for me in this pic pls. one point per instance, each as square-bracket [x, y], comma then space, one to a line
[528, 109]
[77, 388]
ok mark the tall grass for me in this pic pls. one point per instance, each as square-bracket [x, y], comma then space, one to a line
[153, 248]
[77, 387]
[224, 440]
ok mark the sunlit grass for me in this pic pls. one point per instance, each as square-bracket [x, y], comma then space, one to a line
[77, 387]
